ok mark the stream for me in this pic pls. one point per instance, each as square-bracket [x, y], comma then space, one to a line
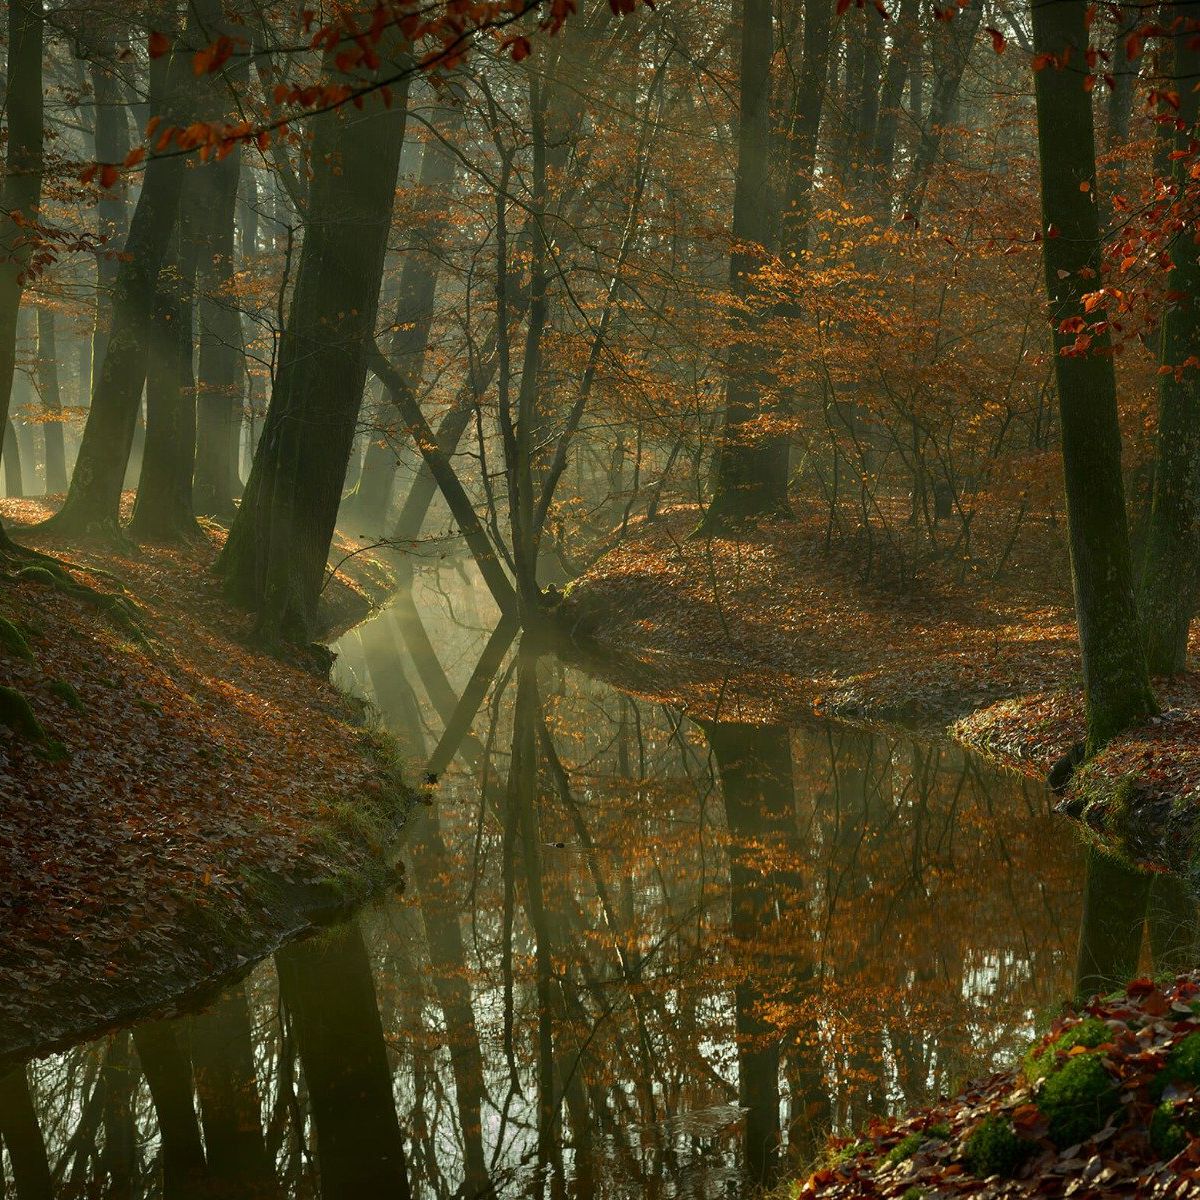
[634, 955]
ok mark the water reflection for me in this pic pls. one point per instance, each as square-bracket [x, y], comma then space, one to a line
[637, 956]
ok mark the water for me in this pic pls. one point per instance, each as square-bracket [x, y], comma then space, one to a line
[636, 956]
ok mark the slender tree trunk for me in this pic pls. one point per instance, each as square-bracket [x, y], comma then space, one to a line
[22, 189]
[52, 427]
[1169, 577]
[221, 367]
[275, 559]
[10, 459]
[1116, 685]
[94, 497]
[755, 765]
[112, 216]
[752, 466]
[414, 318]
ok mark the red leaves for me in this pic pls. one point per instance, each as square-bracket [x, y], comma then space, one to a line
[158, 44]
[999, 42]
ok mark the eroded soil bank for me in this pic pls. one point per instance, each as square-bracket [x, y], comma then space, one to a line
[773, 626]
[185, 802]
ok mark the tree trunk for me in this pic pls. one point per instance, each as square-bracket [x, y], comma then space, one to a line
[22, 190]
[1116, 685]
[414, 317]
[755, 766]
[1169, 578]
[221, 367]
[163, 509]
[10, 459]
[752, 467]
[52, 426]
[168, 1073]
[94, 497]
[274, 561]
[329, 991]
[23, 1138]
[112, 216]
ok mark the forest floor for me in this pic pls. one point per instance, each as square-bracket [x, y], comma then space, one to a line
[774, 628]
[190, 803]
[1104, 1105]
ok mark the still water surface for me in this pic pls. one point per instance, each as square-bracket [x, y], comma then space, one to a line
[635, 956]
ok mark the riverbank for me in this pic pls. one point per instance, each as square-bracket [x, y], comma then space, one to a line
[174, 803]
[775, 627]
[1104, 1105]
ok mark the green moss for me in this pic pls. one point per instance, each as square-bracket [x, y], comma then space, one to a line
[835, 1158]
[13, 640]
[1077, 1099]
[1090, 1033]
[913, 1193]
[35, 573]
[1168, 1134]
[993, 1148]
[67, 694]
[18, 716]
[910, 1145]
[1182, 1065]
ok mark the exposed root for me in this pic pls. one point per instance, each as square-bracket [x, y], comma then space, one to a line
[20, 563]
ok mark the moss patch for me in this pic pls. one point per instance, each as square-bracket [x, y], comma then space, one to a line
[1089, 1033]
[993, 1148]
[1077, 1099]
[12, 640]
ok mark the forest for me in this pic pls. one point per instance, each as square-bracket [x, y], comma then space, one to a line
[596, 599]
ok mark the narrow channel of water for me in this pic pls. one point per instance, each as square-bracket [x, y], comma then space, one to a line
[635, 957]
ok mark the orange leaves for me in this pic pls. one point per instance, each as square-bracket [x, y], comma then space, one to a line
[213, 58]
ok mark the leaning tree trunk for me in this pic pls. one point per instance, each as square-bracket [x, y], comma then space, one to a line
[22, 190]
[94, 497]
[1169, 578]
[414, 316]
[274, 561]
[52, 425]
[752, 467]
[1116, 685]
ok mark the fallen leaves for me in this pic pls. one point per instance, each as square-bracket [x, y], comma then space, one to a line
[189, 776]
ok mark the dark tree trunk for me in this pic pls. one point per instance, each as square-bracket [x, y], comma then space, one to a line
[274, 561]
[221, 366]
[1169, 577]
[222, 1041]
[168, 1073]
[163, 509]
[112, 216]
[22, 189]
[93, 499]
[10, 459]
[755, 766]
[330, 993]
[1116, 685]
[752, 467]
[52, 427]
[1110, 936]
[23, 1138]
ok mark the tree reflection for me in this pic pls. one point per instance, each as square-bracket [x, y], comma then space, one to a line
[637, 957]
